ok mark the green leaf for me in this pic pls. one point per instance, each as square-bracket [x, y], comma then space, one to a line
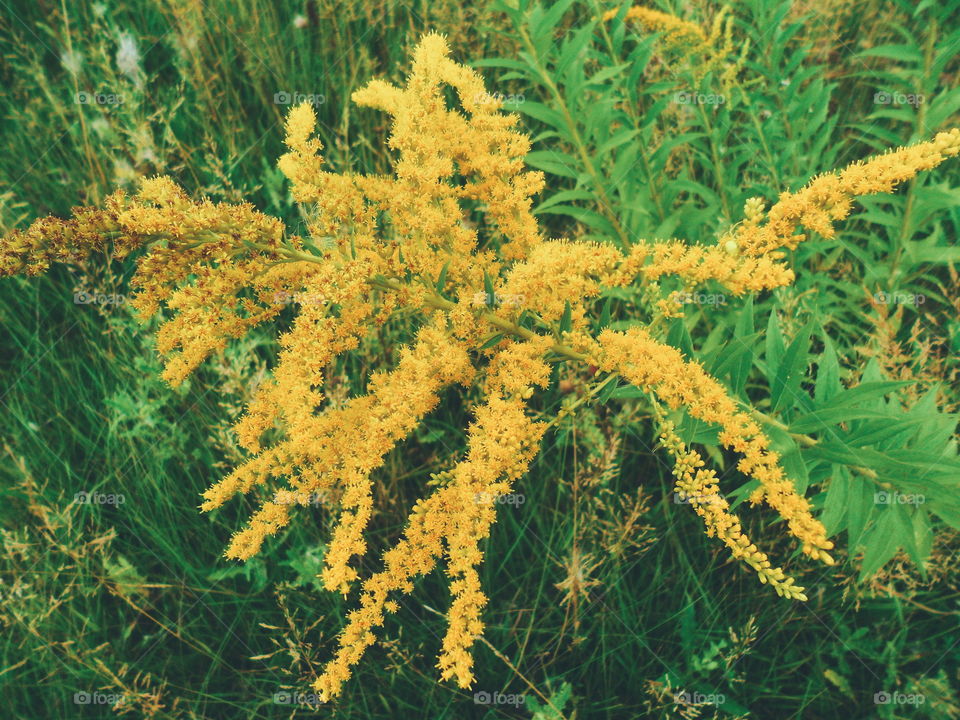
[566, 320]
[730, 355]
[828, 373]
[442, 280]
[574, 51]
[860, 506]
[552, 17]
[774, 345]
[882, 543]
[587, 217]
[901, 53]
[796, 469]
[627, 392]
[785, 387]
[822, 419]
[744, 364]
[835, 502]
[541, 112]
[553, 162]
[859, 394]
[492, 341]
[922, 538]
[564, 196]
[679, 337]
[606, 392]
[605, 313]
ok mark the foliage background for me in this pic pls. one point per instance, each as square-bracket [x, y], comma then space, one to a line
[604, 594]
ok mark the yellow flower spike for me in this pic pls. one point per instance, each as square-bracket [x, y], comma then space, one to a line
[652, 365]
[679, 34]
[828, 198]
[711, 51]
[502, 441]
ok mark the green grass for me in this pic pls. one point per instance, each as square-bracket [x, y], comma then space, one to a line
[135, 599]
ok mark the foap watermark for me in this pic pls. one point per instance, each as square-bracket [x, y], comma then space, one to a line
[698, 98]
[489, 498]
[286, 697]
[298, 298]
[498, 698]
[885, 697]
[899, 298]
[897, 98]
[92, 497]
[96, 98]
[97, 698]
[696, 698]
[296, 98]
[699, 298]
[83, 297]
[886, 497]
[487, 98]
[491, 299]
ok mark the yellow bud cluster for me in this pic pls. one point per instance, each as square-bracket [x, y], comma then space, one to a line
[698, 486]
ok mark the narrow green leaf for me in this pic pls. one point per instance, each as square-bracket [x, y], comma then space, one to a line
[605, 313]
[606, 392]
[442, 280]
[492, 341]
[566, 320]
[785, 387]
[828, 373]
[881, 544]
[774, 346]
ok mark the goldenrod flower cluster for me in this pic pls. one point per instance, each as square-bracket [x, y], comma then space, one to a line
[678, 34]
[829, 198]
[451, 224]
[712, 51]
[698, 486]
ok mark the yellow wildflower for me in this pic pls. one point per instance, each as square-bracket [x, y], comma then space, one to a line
[829, 198]
[379, 245]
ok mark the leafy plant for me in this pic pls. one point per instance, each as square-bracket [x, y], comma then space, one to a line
[498, 305]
